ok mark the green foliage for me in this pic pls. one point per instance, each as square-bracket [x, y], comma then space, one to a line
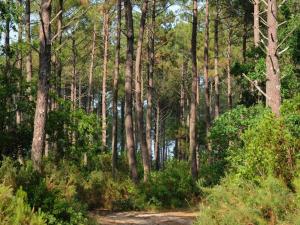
[267, 202]
[268, 149]
[226, 132]
[171, 187]
[52, 192]
[15, 209]
[290, 111]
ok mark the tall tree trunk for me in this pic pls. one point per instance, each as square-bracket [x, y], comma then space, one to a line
[182, 132]
[91, 72]
[138, 103]
[74, 73]
[157, 135]
[58, 56]
[115, 90]
[229, 91]
[245, 36]
[128, 92]
[122, 125]
[151, 56]
[216, 55]
[206, 62]
[256, 23]
[193, 105]
[19, 63]
[104, 77]
[28, 58]
[273, 71]
[38, 141]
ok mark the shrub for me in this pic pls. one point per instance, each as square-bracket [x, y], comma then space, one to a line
[268, 149]
[225, 132]
[171, 187]
[15, 210]
[267, 202]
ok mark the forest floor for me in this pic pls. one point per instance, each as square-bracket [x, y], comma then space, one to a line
[144, 218]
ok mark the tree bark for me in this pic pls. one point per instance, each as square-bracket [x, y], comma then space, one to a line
[74, 73]
[229, 91]
[193, 104]
[273, 71]
[38, 142]
[216, 55]
[206, 62]
[58, 56]
[91, 72]
[256, 23]
[28, 58]
[104, 77]
[157, 134]
[245, 36]
[151, 56]
[128, 92]
[115, 90]
[138, 100]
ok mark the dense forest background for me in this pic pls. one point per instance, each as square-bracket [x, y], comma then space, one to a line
[153, 104]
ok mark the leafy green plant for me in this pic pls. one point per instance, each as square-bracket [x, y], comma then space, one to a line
[267, 201]
[15, 209]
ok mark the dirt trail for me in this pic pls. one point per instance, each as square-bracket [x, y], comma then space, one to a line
[144, 218]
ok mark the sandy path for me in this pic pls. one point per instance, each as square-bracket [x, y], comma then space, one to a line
[144, 218]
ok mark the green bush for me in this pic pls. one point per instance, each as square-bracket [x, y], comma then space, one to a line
[225, 132]
[171, 187]
[268, 149]
[53, 192]
[267, 202]
[15, 209]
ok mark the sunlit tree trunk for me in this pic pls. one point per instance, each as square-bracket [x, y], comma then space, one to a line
[115, 90]
[151, 56]
[273, 71]
[216, 55]
[104, 77]
[193, 104]
[206, 62]
[138, 103]
[91, 72]
[128, 92]
[157, 134]
[28, 58]
[38, 141]
[256, 23]
[58, 56]
[229, 91]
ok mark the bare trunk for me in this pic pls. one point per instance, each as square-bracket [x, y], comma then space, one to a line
[182, 133]
[91, 72]
[245, 36]
[74, 74]
[38, 141]
[104, 77]
[193, 105]
[151, 58]
[229, 93]
[256, 23]
[206, 62]
[19, 64]
[122, 125]
[28, 58]
[216, 55]
[157, 134]
[138, 103]
[273, 71]
[58, 56]
[115, 90]
[128, 92]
